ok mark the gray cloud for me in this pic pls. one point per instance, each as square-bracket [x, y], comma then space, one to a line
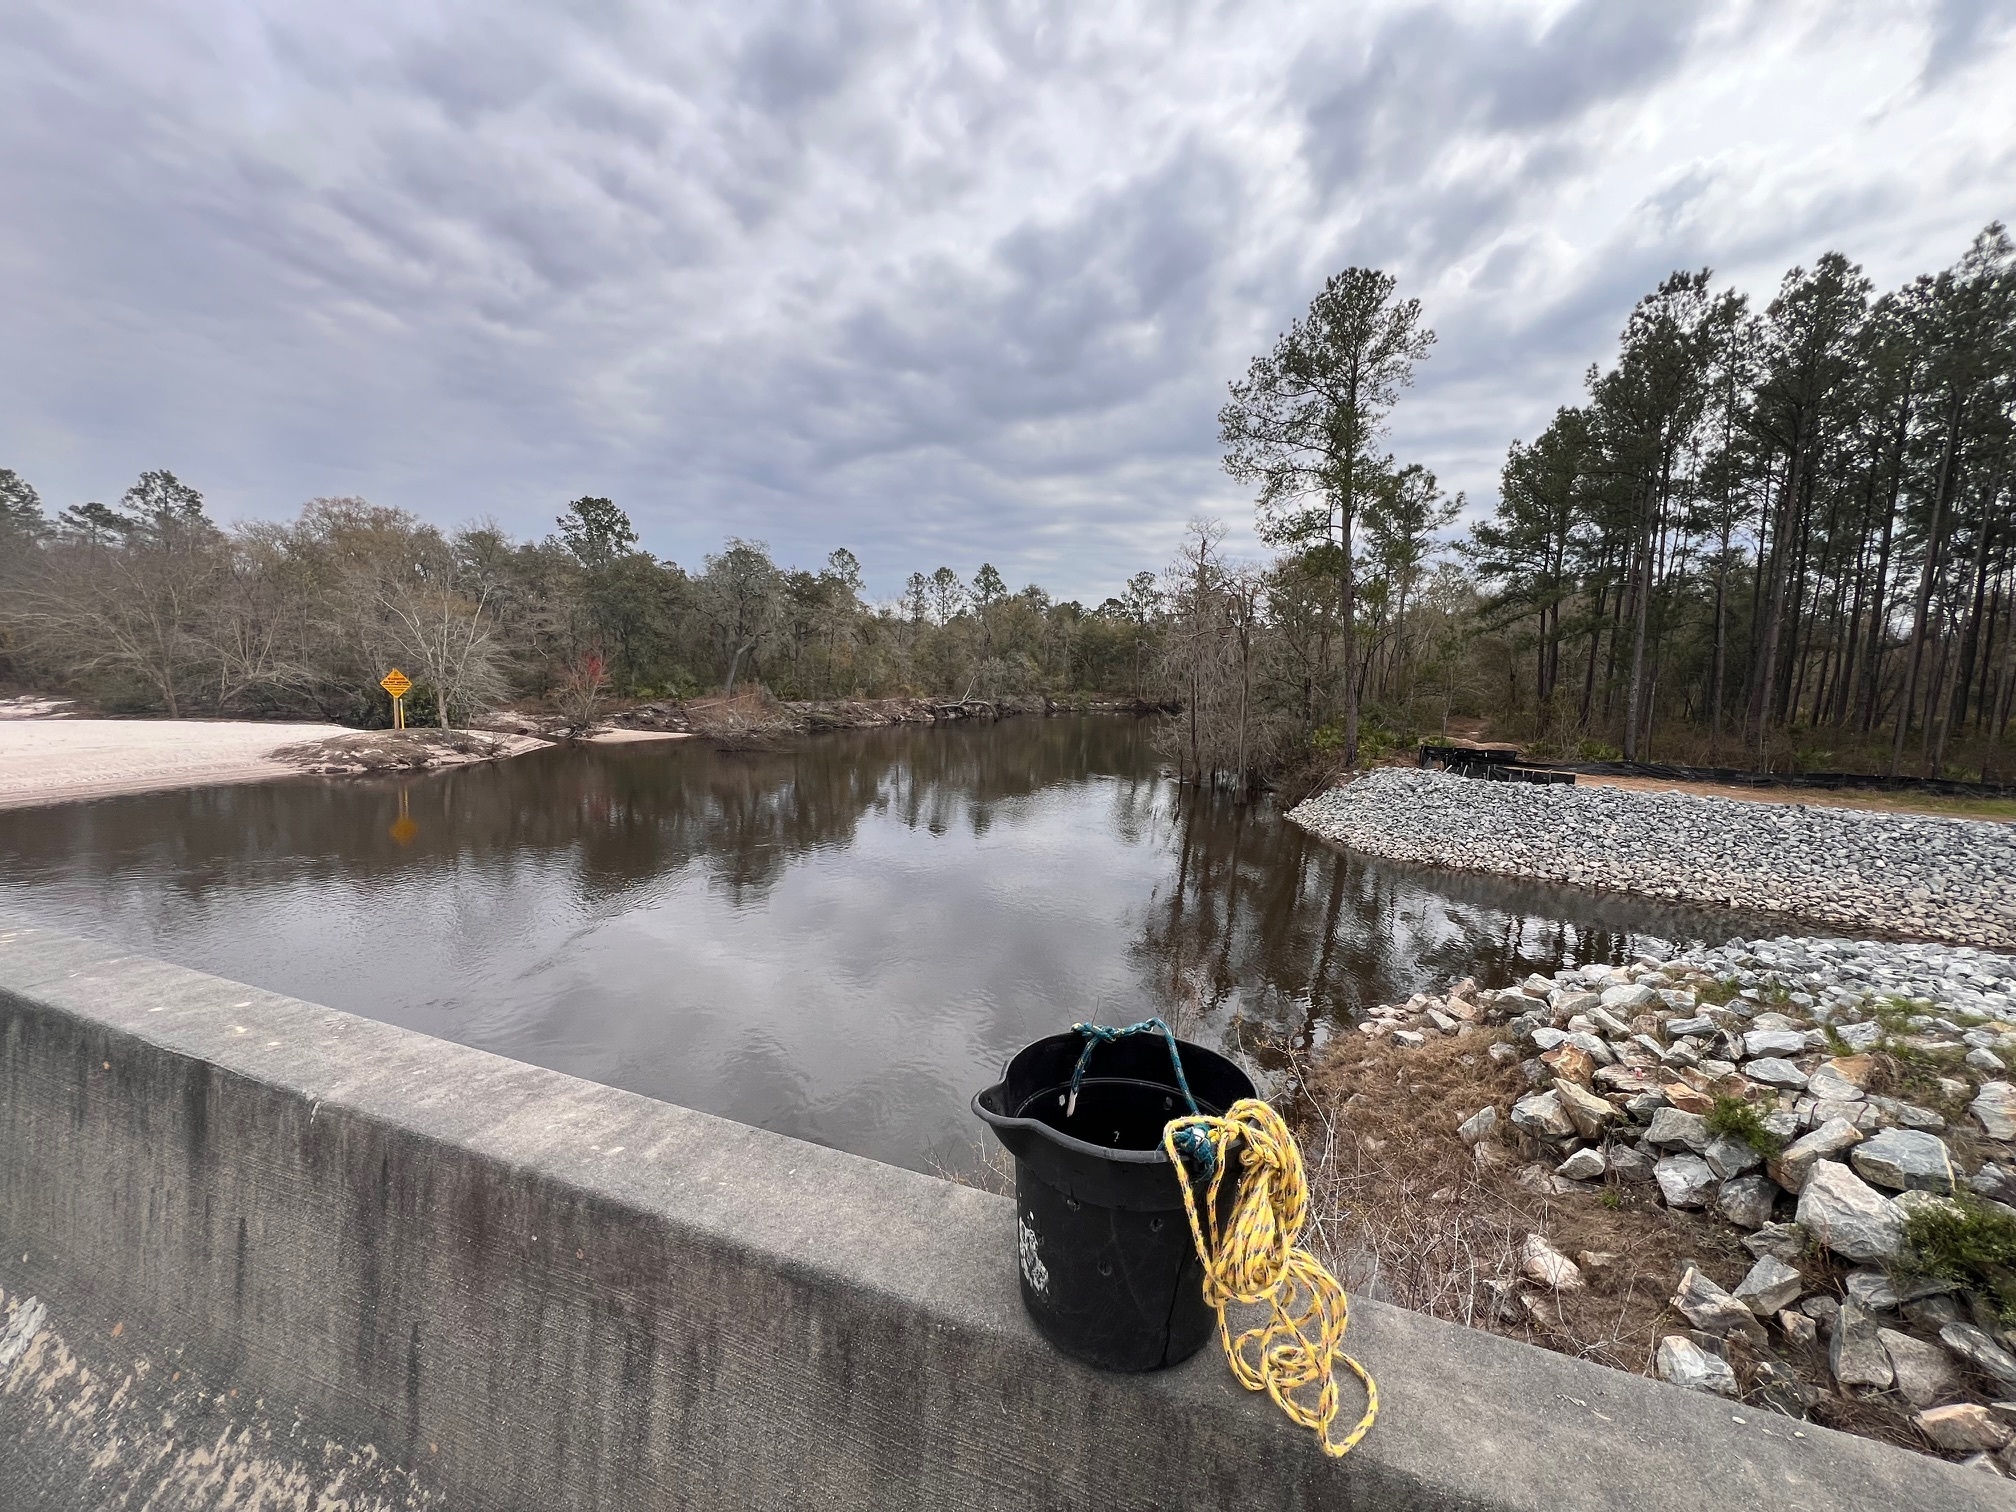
[938, 283]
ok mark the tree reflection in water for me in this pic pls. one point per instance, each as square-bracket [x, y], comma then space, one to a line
[840, 940]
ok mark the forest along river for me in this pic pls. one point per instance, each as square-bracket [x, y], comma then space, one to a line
[841, 940]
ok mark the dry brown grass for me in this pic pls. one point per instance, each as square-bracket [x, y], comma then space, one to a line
[1404, 1211]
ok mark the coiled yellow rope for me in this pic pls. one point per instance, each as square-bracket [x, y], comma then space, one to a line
[1256, 1260]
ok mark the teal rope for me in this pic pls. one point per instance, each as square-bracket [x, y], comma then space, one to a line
[1192, 1143]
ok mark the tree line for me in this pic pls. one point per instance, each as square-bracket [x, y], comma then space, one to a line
[1776, 529]
[151, 606]
[1766, 538]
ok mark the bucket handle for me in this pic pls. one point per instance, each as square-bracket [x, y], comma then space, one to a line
[1096, 1035]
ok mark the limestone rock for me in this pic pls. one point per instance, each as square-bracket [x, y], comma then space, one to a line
[1570, 1063]
[1583, 1165]
[1629, 999]
[1771, 1286]
[1628, 1164]
[1685, 1181]
[1747, 1201]
[1848, 1216]
[1872, 1290]
[1409, 1039]
[1589, 1113]
[1547, 1266]
[1798, 1328]
[1785, 1240]
[1774, 1072]
[1901, 1159]
[1684, 1363]
[1729, 1157]
[1965, 1426]
[1711, 1309]
[1925, 1373]
[1771, 1042]
[1479, 1126]
[1796, 1161]
[1980, 1351]
[1688, 1099]
[1672, 1127]
[1994, 1108]
[1829, 1085]
[1542, 1116]
[1855, 1354]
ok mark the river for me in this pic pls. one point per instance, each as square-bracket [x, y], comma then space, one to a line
[840, 940]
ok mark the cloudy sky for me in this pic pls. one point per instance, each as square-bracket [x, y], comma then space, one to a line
[938, 283]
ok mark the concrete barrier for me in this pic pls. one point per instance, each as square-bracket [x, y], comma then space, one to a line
[253, 1249]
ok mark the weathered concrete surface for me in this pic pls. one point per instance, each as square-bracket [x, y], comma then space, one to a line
[502, 1287]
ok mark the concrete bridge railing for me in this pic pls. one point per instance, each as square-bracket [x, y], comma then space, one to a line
[252, 1249]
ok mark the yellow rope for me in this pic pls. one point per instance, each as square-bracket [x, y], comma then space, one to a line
[1256, 1260]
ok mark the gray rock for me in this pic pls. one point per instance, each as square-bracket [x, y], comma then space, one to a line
[1502, 1054]
[1994, 1108]
[1711, 1309]
[1630, 999]
[1830, 1085]
[1796, 1161]
[1962, 1427]
[1729, 1157]
[1479, 1126]
[1542, 1116]
[1771, 1286]
[1583, 1165]
[1628, 1164]
[1785, 1240]
[1859, 1037]
[1589, 1113]
[1684, 1363]
[1701, 1025]
[1925, 1374]
[1546, 1266]
[1798, 1328]
[1545, 1039]
[1747, 1201]
[1671, 1127]
[1685, 1181]
[1773, 1042]
[1906, 1159]
[1980, 1351]
[1848, 1216]
[1409, 1039]
[1871, 1290]
[1855, 1353]
[1773, 1072]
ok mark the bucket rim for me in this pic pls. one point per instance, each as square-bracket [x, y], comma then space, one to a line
[1007, 1121]
[1071, 1142]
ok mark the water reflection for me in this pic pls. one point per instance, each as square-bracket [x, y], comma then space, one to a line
[841, 941]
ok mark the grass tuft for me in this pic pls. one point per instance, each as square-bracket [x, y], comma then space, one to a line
[1966, 1240]
[1733, 1118]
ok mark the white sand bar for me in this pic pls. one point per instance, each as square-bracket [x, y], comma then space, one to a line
[58, 760]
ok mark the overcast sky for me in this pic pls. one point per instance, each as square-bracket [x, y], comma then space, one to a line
[940, 284]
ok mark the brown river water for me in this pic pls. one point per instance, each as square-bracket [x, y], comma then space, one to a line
[842, 940]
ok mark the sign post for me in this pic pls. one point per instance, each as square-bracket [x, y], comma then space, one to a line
[398, 684]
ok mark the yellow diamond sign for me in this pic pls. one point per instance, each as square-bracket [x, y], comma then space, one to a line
[396, 683]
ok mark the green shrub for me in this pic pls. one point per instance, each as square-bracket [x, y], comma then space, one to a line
[1595, 750]
[1966, 1240]
[1734, 1118]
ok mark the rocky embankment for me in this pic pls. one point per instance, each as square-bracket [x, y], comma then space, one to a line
[1942, 879]
[1847, 1106]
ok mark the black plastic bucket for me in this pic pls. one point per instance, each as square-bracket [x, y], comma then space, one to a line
[1109, 1272]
